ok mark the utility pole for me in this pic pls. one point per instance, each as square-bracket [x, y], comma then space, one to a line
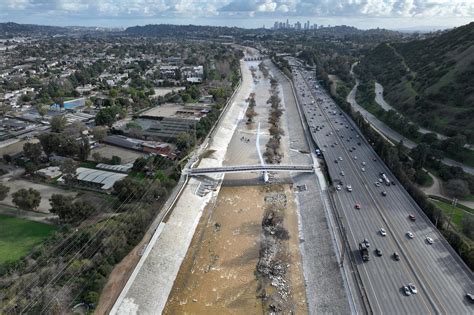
[453, 203]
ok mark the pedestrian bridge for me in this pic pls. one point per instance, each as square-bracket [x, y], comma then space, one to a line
[251, 168]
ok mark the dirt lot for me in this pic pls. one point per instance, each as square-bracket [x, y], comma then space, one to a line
[108, 151]
[218, 274]
[46, 192]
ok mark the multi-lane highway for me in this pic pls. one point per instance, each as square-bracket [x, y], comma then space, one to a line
[440, 277]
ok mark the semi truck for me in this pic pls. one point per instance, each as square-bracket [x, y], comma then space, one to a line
[364, 251]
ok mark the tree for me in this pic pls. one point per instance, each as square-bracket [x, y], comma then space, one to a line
[468, 225]
[129, 189]
[139, 164]
[419, 155]
[84, 148]
[69, 211]
[184, 141]
[457, 188]
[68, 168]
[4, 190]
[115, 160]
[58, 123]
[97, 157]
[27, 199]
[99, 133]
[42, 110]
[32, 151]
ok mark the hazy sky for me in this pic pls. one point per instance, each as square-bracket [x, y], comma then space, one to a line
[393, 14]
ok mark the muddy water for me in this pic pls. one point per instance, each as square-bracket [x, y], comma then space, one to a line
[218, 273]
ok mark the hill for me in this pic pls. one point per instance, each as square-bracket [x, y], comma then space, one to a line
[430, 81]
[15, 29]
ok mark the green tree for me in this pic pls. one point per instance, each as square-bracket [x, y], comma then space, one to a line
[99, 133]
[129, 189]
[419, 155]
[27, 199]
[84, 148]
[69, 211]
[184, 141]
[42, 110]
[4, 190]
[32, 151]
[58, 123]
[457, 188]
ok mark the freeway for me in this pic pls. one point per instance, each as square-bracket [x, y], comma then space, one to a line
[440, 276]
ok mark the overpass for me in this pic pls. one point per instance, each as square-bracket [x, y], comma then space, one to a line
[251, 168]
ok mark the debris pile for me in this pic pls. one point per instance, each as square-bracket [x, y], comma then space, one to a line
[273, 262]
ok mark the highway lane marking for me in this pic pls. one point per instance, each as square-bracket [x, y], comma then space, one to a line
[377, 207]
[364, 267]
[364, 184]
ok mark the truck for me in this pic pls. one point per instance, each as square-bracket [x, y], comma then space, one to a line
[364, 251]
[385, 179]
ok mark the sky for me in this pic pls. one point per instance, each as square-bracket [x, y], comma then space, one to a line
[391, 14]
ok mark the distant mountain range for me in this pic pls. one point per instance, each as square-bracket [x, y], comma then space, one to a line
[15, 29]
[431, 80]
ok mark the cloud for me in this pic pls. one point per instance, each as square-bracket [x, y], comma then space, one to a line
[90, 9]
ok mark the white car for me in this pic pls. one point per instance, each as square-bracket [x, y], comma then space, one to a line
[340, 158]
[429, 240]
[363, 169]
[342, 173]
[338, 187]
[412, 288]
[363, 163]
[410, 234]
[355, 157]
[377, 184]
[349, 188]
[382, 232]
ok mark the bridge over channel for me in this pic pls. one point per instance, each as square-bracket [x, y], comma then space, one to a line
[251, 168]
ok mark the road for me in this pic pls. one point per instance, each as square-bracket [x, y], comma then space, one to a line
[390, 133]
[440, 276]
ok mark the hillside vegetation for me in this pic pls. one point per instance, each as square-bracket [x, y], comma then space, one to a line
[430, 81]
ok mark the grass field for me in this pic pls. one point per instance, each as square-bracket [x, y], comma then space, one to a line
[18, 237]
[447, 208]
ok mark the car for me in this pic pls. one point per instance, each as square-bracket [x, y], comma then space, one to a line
[392, 182]
[349, 188]
[342, 173]
[340, 158]
[350, 150]
[377, 184]
[363, 163]
[412, 217]
[406, 290]
[357, 206]
[358, 143]
[374, 159]
[380, 180]
[412, 288]
[338, 187]
[325, 145]
[384, 193]
[363, 169]
[348, 140]
[335, 161]
[410, 234]
[382, 232]
[355, 157]
[396, 256]
[332, 145]
[366, 242]
[429, 240]
[378, 252]
[470, 297]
